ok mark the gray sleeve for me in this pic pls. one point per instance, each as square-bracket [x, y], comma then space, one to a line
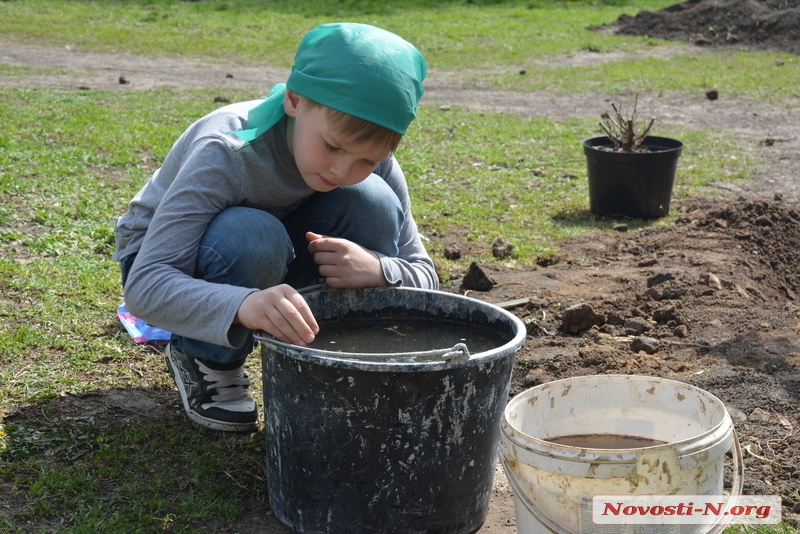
[161, 288]
[412, 267]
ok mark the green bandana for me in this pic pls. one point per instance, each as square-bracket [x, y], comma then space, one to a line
[357, 69]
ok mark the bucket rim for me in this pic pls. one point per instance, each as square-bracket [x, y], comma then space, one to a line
[383, 361]
[684, 447]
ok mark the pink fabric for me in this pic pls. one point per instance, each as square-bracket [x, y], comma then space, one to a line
[140, 331]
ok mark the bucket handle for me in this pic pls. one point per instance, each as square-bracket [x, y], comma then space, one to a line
[736, 490]
[457, 353]
[543, 518]
[737, 482]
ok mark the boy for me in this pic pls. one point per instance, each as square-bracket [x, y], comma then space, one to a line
[259, 199]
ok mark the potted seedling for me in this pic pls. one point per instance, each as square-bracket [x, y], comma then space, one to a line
[630, 173]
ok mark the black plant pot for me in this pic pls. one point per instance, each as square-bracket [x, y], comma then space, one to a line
[631, 184]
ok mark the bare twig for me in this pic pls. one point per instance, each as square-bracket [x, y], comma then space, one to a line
[622, 130]
[511, 283]
[609, 261]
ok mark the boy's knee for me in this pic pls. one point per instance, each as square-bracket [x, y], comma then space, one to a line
[245, 247]
[374, 202]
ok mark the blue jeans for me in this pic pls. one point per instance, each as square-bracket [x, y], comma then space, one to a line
[248, 247]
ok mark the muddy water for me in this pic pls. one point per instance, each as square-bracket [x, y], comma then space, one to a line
[606, 441]
[393, 337]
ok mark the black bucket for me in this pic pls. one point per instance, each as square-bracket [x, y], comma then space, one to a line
[631, 184]
[388, 441]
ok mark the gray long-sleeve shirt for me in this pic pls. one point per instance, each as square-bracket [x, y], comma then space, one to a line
[209, 170]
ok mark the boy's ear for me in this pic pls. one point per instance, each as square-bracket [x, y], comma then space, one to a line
[291, 101]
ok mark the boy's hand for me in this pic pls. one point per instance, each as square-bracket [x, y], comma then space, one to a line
[280, 311]
[345, 264]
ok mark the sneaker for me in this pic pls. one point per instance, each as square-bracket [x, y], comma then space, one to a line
[216, 397]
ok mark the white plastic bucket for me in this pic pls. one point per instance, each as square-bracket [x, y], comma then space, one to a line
[554, 484]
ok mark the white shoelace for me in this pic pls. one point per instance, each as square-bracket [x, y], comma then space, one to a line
[231, 385]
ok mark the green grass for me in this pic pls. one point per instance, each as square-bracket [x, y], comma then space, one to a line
[69, 162]
[450, 34]
[74, 476]
[73, 461]
[734, 73]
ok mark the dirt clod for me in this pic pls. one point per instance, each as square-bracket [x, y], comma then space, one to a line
[477, 279]
[452, 252]
[579, 318]
[502, 249]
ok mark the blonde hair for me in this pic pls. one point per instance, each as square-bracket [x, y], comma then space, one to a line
[359, 130]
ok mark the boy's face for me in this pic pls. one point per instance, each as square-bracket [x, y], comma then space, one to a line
[325, 158]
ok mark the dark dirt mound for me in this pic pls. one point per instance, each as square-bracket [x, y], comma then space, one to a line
[756, 24]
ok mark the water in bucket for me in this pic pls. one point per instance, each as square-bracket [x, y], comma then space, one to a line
[387, 337]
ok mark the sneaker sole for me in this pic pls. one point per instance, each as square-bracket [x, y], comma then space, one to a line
[195, 417]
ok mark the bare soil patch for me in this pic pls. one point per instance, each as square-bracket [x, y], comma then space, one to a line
[713, 300]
